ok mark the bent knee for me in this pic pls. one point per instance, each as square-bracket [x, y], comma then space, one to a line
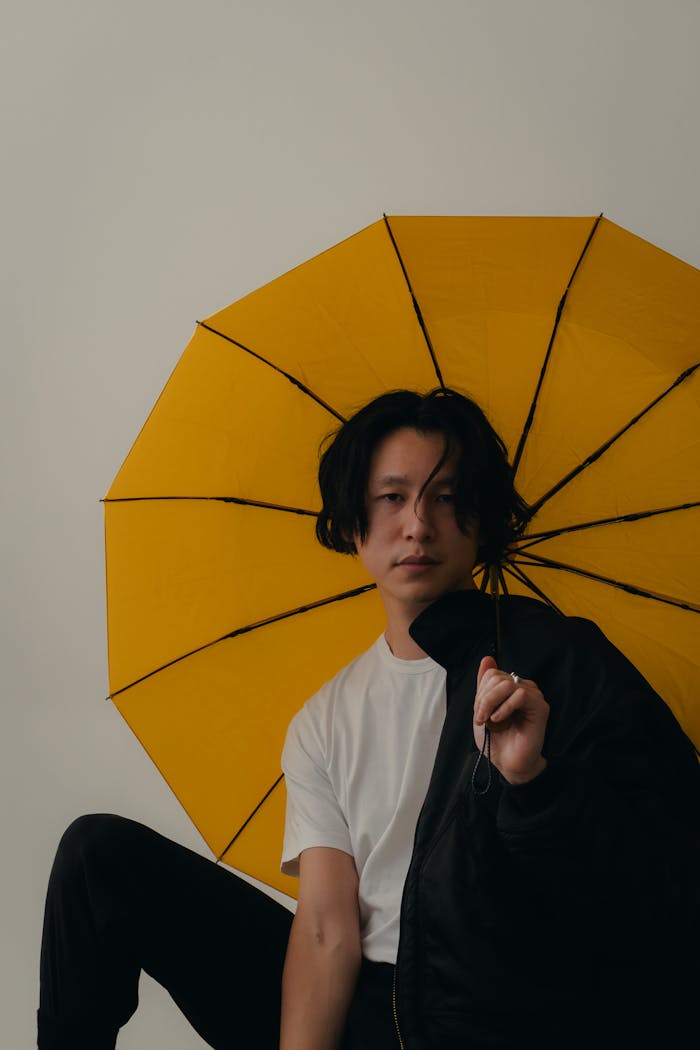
[89, 836]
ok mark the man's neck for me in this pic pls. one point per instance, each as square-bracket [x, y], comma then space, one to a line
[398, 639]
[403, 646]
[399, 618]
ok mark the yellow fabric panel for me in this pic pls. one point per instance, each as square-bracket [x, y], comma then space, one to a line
[182, 573]
[641, 295]
[489, 289]
[631, 325]
[227, 425]
[659, 639]
[658, 554]
[342, 323]
[592, 388]
[214, 724]
[260, 844]
[655, 464]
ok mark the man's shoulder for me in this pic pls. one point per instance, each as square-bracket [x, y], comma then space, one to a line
[342, 687]
[363, 667]
[521, 610]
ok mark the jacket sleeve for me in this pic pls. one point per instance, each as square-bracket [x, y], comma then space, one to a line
[608, 834]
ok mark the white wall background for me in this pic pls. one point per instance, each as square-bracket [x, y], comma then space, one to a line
[163, 157]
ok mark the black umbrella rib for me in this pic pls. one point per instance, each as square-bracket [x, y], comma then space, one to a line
[548, 354]
[502, 580]
[518, 574]
[538, 504]
[416, 307]
[239, 501]
[640, 592]
[248, 819]
[292, 379]
[531, 539]
[246, 630]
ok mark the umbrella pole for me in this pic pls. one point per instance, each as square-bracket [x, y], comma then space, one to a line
[493, 589]
[493, 574]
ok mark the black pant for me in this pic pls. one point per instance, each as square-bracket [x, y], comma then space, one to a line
[123, 898]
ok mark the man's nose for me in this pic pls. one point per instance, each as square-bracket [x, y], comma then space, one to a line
[418, 524]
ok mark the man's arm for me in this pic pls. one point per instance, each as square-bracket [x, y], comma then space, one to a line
[607, 834]
[323, 955]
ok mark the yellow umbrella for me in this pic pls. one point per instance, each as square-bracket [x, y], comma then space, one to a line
[578, 339]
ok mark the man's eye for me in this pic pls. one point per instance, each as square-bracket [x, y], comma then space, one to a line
[391, 497]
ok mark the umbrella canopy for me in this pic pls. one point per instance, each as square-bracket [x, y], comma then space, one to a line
[578, 339]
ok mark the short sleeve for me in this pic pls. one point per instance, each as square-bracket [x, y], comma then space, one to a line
[313, 816]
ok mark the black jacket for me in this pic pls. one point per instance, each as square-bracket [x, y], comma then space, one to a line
[562, 912]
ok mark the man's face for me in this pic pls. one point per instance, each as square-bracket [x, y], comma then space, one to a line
[415, 550]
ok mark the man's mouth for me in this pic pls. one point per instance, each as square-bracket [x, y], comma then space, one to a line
[421, 559]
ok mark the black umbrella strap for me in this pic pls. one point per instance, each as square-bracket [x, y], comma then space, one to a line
[485, 749]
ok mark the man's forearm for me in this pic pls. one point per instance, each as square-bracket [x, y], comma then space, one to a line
[320, 972]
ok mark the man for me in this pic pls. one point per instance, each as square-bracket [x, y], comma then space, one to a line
[444, 814]
[510, 931]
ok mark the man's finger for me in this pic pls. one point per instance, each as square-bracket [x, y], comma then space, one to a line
[487, 664]
[502, 693]
[508, 707]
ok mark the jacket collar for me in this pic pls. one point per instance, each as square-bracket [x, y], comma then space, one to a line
[453, 625]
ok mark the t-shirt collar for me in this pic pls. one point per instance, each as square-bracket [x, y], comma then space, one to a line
[421, 666]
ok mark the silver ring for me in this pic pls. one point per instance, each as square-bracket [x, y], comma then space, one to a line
[514, 676]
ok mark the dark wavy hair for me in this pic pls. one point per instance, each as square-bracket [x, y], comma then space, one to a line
[484, 477]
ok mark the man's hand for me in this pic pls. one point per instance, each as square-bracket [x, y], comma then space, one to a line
[516, 714]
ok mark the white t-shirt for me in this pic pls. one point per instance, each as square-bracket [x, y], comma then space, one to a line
[357, 762]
